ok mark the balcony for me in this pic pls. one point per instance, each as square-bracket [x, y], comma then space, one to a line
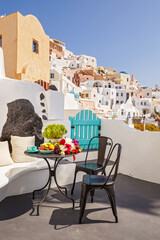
[138, 208]
[137, 195]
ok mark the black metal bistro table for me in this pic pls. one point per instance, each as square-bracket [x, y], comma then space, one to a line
[52, 173]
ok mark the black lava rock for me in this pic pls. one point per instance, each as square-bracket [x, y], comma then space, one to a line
[22, 121]
[42, 104]
[44, 117]
[53, 87]
[42, 96]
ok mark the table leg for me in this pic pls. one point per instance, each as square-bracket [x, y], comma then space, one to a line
[57, 161]
[48, 183]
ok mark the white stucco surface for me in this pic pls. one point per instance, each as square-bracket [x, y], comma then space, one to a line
[11, 90]
[55, 104]
[70, 102]
[2, 69]
[140, 150]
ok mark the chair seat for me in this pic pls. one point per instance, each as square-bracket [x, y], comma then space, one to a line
[91, 166]
[95, 180]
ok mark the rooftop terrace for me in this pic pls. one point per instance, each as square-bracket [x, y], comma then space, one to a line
[138, 205]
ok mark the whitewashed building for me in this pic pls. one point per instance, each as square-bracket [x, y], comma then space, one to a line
[143, 104]
[90, 61]
[127, 110]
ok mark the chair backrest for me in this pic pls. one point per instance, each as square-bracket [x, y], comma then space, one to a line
[116, 150]
[104, 143]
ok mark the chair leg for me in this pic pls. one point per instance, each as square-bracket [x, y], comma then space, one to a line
[74, 181]
[92, 195]
[112, 200]
[83, 199]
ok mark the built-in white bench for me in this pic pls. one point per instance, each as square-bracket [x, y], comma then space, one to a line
[20, 178]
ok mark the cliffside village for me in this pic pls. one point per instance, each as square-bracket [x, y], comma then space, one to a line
[34, 56]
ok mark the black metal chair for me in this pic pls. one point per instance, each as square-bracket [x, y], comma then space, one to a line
[92, 182]
[99, 165]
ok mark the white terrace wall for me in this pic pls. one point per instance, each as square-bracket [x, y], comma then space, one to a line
[55, 104]
[11, 90]
[2, 69]
[140, 150]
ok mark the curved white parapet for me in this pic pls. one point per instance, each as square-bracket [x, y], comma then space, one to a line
[140, 150]
[2, 69]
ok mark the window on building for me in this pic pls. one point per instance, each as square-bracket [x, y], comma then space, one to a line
[107, 103]
[35, 46]
[121, 102]
[112, 93]
[127, 79]
[147, 94]
[92, 60]
[99, 101]
[121, 94]
[127, 96]
[122, 112]
[0, 40]
[67, 85]
[117, 94]
[145, 103]
[87, 95]
[117, 102]
[51, 75]
[109, 85]
[119, 87]
[105, 86]
[141, 103]
[134, 114]
[94, 95]
[106, 93]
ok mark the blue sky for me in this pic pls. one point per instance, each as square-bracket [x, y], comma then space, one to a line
[124, 34]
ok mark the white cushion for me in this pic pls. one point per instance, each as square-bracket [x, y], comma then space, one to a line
[19, 145]
[5, 158]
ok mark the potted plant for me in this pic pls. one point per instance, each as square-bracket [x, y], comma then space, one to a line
[54, 132]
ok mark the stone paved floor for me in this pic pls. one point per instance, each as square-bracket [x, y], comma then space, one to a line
[138, 205]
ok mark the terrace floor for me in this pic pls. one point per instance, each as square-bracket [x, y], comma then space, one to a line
[138, 205]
